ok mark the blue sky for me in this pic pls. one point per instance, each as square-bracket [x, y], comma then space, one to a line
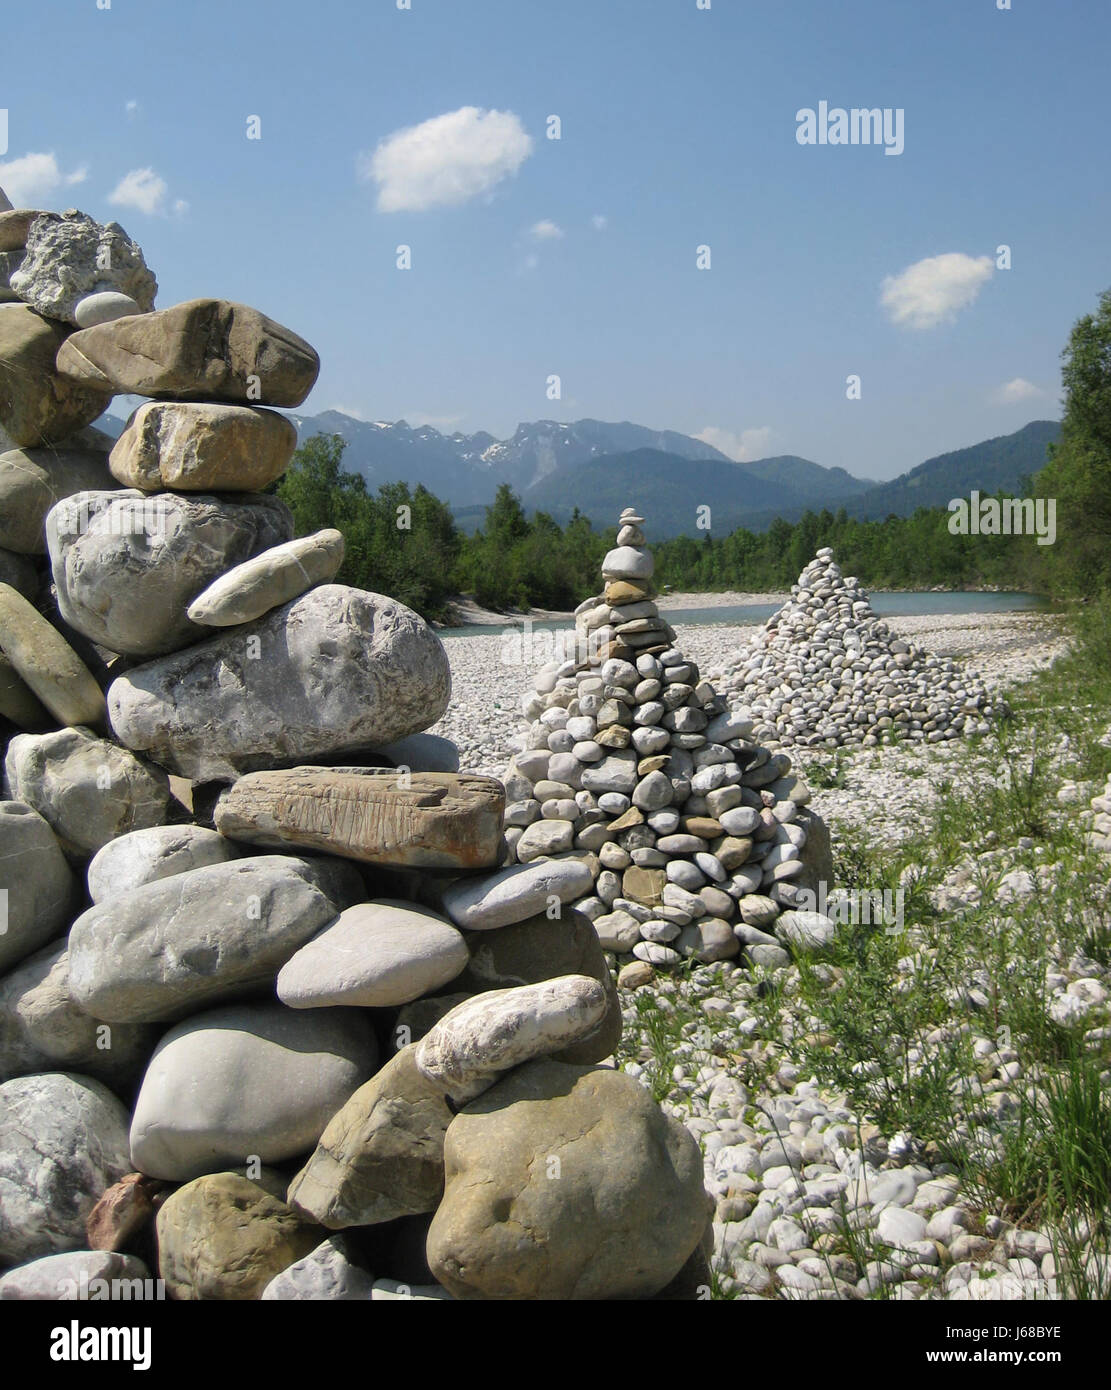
[577, 257]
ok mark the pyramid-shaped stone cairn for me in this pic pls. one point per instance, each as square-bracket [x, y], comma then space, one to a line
[698, 840]
[276, 1019]
[825, 671]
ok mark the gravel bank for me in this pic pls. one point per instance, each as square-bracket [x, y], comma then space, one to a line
[491, 673]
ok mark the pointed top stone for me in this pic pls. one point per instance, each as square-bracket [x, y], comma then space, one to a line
[5, 202]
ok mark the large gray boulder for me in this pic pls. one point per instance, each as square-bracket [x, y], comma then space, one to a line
[37, 889]
[42, 1028]
[145, 856]
[338, 668]
[374, 955]
[88, 789]
[69, 256]
[33, 480]
[127, 565]
[63, 1141]
[77, 1274]
[566, 1183]
[212, 934]
[272, 1078]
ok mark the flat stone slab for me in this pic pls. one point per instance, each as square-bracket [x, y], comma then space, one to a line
[434, 820]
[203, 349]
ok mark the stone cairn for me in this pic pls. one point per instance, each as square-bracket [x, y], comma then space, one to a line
[697, 840]
[825, 671]
[277, 1017]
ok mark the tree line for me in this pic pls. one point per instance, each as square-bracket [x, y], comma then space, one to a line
[404, 541]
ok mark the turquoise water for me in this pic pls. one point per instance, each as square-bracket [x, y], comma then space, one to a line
[885, 605]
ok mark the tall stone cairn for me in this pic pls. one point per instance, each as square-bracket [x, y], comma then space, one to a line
[697, 839]
[824, 671]
[279, 1019]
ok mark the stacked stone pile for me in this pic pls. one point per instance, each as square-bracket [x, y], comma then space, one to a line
[697, 841]
[277, 1017]
[825, 671]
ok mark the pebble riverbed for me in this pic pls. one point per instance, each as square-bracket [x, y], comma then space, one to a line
[791, 1169]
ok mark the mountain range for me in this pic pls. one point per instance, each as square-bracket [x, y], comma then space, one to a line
[600, 468]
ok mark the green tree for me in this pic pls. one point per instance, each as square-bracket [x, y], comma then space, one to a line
[1078, 474]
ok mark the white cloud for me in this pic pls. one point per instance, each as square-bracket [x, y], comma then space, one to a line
[545, 230]
[932, 291]
[741, 448]
[33, 179]
[131, 107]
[145, 191]
[447, 160]
[599, 222]
[1012, 392]
[181, 207]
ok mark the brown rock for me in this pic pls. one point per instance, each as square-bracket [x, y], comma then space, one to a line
[566, 1183]
[705, 827]
[122, 1212]
[225, 1237]
[14, 226]
[619, 591]
[653, 764]
[46, 662]
[732, 851]
[635, 975]
[204, 349]
[644, 885]
[633, 816]
[39, 405]
[32, 480]
[616, 736]
[382, 1155]
[194, 447]
[439, 820]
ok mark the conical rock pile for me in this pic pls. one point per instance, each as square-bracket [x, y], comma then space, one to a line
[696, 839]
[825, 671]
[277, 1018]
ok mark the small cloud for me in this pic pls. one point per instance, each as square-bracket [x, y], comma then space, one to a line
[741, 448]
[33, 179]
[1013, 392]
[545, 230]
[181, 207]
[145, 191]
[131, 107]
[932, 291]
[447, 160]
[599, 222]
